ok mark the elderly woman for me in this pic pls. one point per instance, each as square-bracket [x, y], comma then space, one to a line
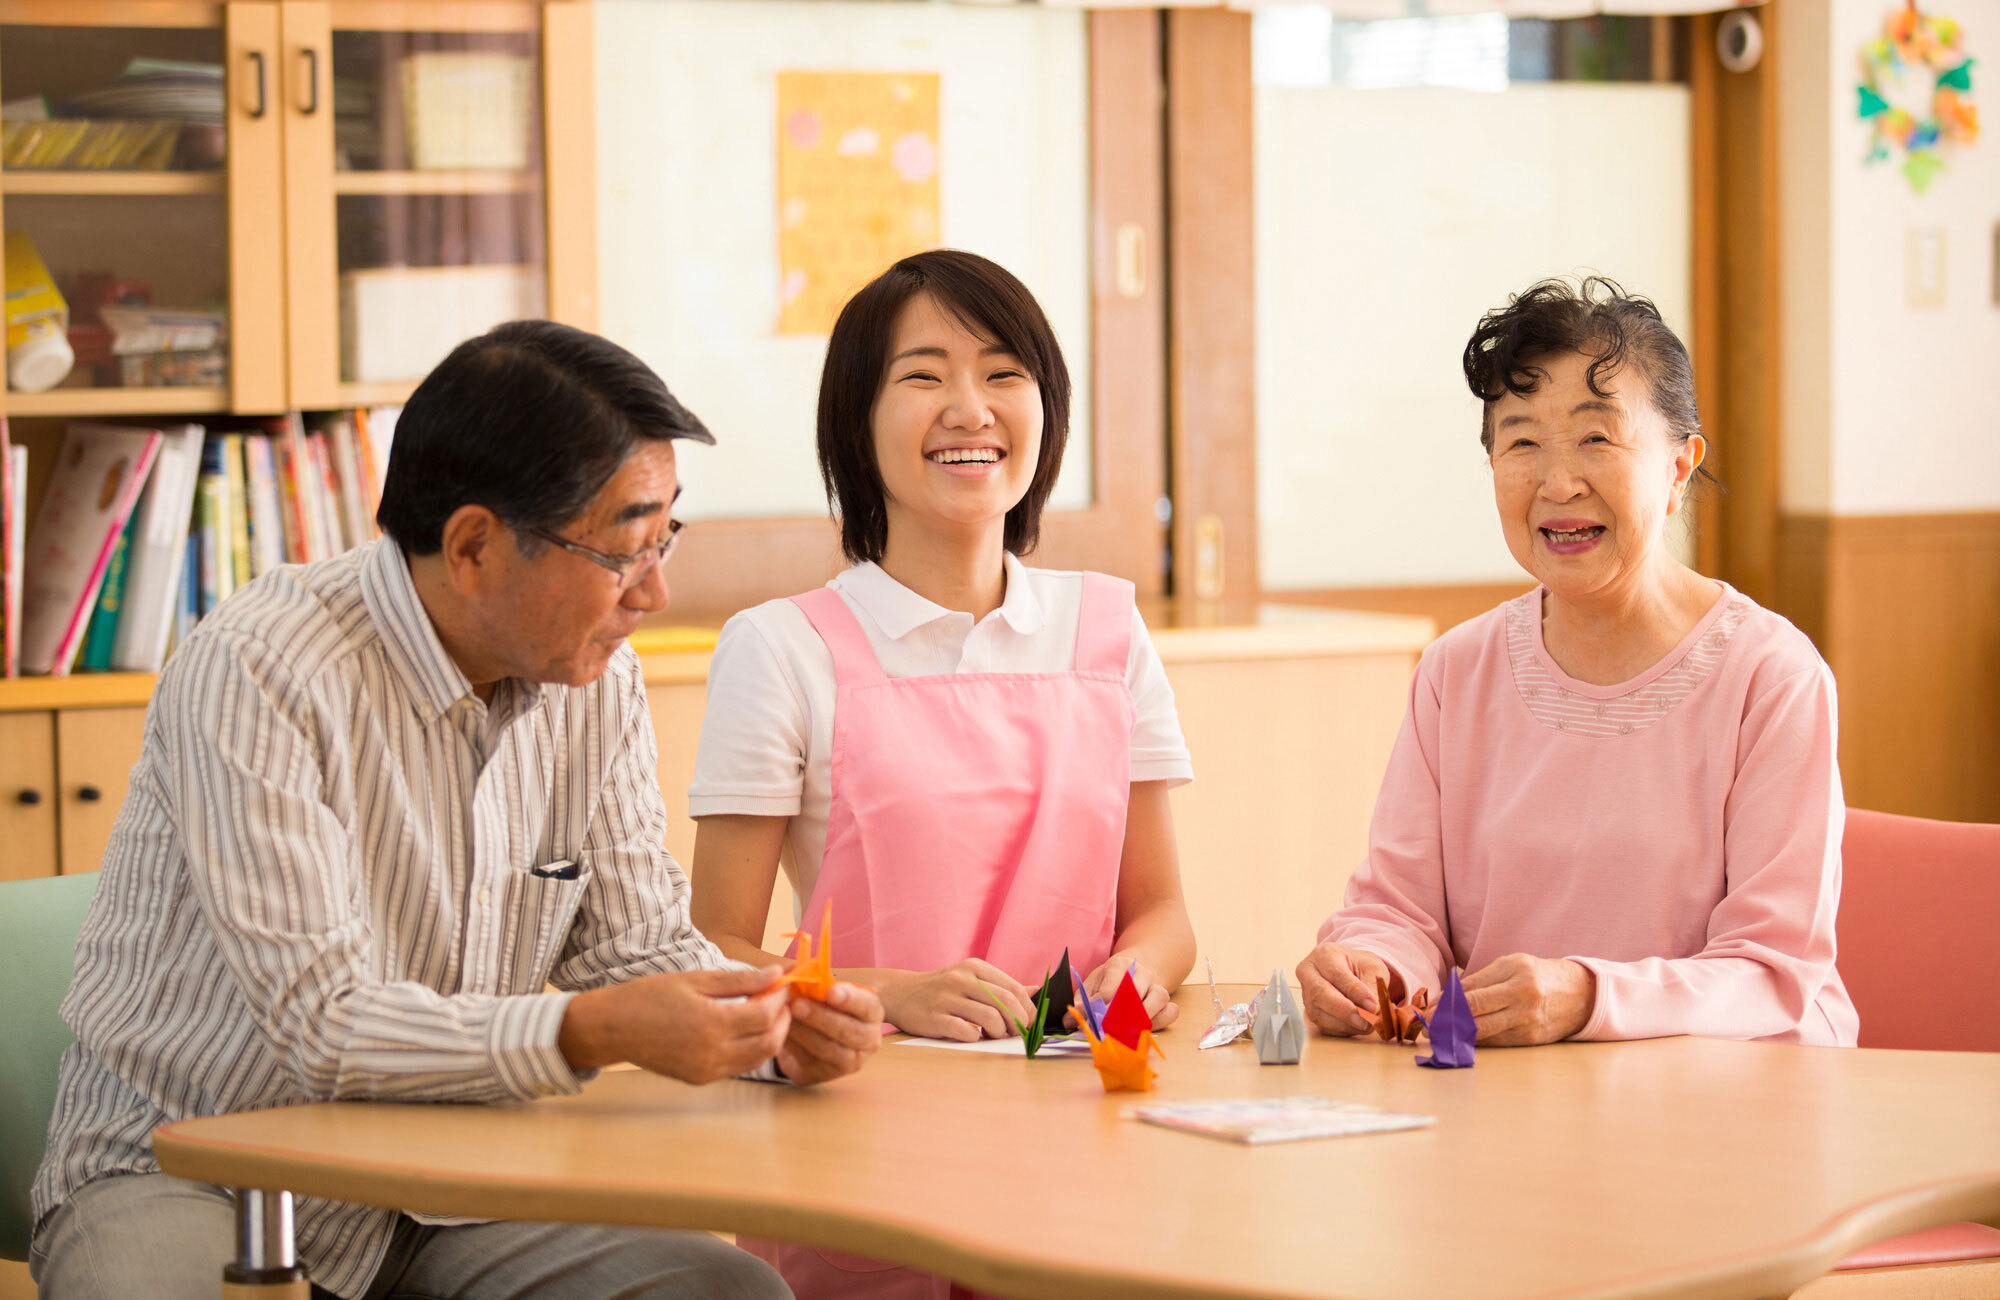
[1614, 801]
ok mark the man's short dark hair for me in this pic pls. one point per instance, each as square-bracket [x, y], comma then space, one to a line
[531, 419]
[990, 302]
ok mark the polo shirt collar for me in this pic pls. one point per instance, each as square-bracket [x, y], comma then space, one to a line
[898, 611]
[426, 669]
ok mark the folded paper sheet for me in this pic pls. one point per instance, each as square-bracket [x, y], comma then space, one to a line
[811, 975]
[1279, 1030]
[1398, 1023]
[1451, 1028]
[1121, 1040]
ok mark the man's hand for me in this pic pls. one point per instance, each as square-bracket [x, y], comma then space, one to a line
[1104, 981]
[697, 1026]
[831, 1038]
[1337, 985]
[1520, 1001]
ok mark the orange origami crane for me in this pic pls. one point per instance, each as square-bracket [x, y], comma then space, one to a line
[811, 976]
[1124, 1066]
[1398, 1024]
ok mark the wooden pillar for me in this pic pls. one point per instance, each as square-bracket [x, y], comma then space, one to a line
[1211, 314]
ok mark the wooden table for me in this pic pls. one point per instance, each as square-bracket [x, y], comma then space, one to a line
[1673, 1167]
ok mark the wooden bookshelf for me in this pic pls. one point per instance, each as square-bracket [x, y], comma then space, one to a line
[88, 403]
[133, 184]
[470, 182]
[79, 691]
[384, 394]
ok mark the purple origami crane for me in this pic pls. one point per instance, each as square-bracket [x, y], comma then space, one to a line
[1451, 1029]
[1094, 1008]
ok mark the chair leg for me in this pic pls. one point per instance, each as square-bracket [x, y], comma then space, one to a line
[266, 1266]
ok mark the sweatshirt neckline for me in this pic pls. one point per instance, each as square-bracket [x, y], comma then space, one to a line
[1618, 690]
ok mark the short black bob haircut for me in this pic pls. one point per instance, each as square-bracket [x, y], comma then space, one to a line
[530, 419]
[1593, 318]
[991, 303]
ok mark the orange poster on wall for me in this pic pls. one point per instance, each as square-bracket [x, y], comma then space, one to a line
[857, 185]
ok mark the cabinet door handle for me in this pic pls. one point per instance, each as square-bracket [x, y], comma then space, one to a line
[312, 81]
[89, 793]
[257, 57]
[28, 798]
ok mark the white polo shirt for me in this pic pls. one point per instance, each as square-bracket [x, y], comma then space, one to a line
[767, 737]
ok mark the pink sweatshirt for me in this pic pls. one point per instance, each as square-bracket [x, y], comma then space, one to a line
[1679, 834]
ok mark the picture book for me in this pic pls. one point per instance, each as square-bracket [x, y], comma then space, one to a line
[95, 484]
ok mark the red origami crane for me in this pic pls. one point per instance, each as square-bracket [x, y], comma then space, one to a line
[1121, 1045]
[1398, 1024]
[811, 976]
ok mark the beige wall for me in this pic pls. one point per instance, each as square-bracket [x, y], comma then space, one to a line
[1387, 222]
[687, 207]
[1890, 407]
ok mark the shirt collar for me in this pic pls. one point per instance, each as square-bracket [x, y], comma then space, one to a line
[898, 611]
[426, 669]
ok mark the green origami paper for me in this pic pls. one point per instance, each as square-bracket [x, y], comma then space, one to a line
[1036, 1029]
[1959, 78]
[1872, 104]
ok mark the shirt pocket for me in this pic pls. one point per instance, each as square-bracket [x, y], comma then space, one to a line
[539, 913]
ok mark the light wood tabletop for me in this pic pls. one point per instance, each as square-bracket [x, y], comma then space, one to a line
[1671, 1167]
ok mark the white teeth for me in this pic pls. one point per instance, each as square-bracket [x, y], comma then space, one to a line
[966, 456]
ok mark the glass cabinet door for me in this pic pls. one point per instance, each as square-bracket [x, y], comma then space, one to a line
[130, 133]
[415, 180]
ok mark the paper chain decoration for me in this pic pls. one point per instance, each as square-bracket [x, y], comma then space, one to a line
[1121, 1039]
[1923, 45]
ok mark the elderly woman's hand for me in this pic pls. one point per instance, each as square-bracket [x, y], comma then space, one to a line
[1338, 986]
[1520, 1001]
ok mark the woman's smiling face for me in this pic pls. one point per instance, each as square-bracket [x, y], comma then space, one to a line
[957, 423]
[1585, 483]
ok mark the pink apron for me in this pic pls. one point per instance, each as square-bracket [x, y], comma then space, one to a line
[973, 815]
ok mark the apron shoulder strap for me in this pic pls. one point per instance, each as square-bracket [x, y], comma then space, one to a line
[1104, 625]
[853, 658]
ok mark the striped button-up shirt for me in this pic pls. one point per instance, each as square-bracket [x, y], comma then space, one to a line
[324, 884]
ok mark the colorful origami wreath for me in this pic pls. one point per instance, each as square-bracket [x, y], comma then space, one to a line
[1915, 44]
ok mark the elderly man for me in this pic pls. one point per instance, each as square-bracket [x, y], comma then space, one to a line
[384, 802]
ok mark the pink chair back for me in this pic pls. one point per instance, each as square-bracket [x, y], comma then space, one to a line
[1919, 931]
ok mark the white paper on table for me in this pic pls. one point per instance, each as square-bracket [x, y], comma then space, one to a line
[1006, 1046]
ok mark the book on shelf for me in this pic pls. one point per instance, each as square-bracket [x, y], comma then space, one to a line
[102, 629]
[96, 481]
[239, 513]
[212, 515]
[144, 531]
[266, 505]
[157, 560]
[10, 562]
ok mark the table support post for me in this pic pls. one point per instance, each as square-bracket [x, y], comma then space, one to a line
[266, 1266]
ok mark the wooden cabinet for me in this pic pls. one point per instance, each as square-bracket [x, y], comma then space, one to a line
[95, 751]
[357, 184]
[27, 795]
[63, 776]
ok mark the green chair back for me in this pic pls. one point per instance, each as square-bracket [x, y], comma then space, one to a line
[39, 923]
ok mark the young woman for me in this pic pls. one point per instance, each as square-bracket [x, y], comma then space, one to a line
[967, 757]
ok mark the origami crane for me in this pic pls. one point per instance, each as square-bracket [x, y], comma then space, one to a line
[811, 975]
[1120, 1051]
[1045, 1021]
[1279, 1030]
[1398, 1024]
[1451, 1029]
[1053, 998]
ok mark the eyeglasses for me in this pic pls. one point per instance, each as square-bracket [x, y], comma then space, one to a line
[631, 569]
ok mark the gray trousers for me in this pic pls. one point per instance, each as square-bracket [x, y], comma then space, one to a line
[162, 1237]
